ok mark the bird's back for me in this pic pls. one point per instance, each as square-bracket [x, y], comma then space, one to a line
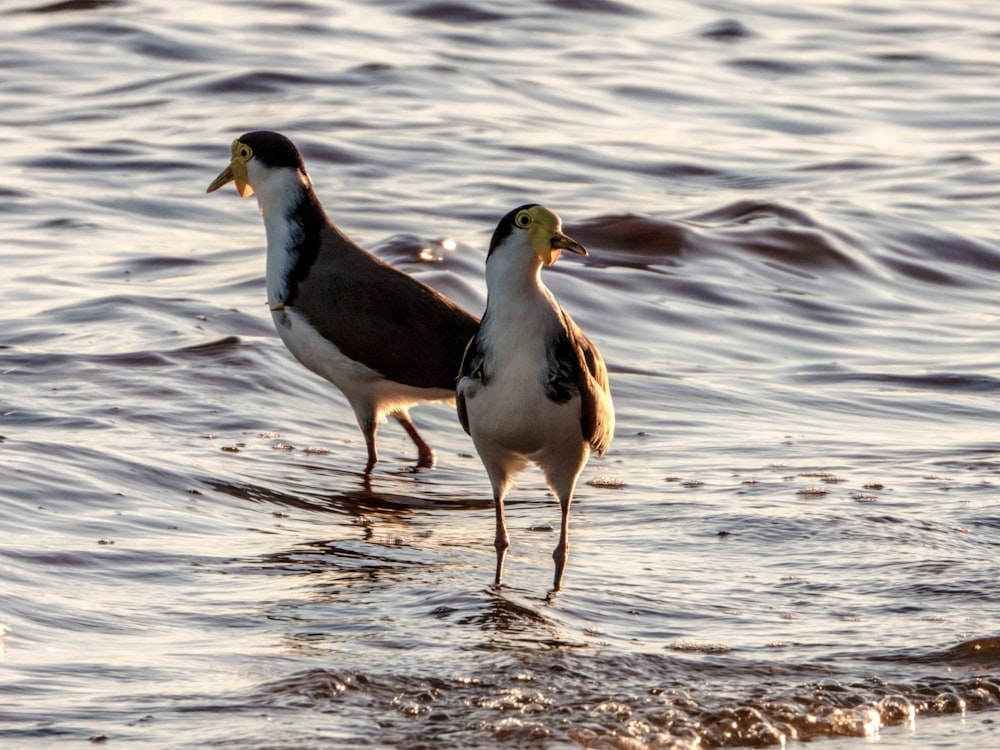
[380, 316]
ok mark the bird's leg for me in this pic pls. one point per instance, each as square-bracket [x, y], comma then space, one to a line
[502, 540]
[561, 552]
[368, 427]
[425, 454]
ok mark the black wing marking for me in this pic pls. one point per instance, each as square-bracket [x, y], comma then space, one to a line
[473, 366]
[474, 357]
[563, 369]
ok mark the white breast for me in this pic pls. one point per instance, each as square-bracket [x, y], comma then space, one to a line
[511, 412]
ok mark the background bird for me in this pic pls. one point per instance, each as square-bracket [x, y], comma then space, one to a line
[385, 339]
[532, 387]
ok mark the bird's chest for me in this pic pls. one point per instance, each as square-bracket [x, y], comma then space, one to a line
[510, 406]
[517, 359]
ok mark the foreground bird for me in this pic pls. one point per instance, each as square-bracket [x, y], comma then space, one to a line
[385, 339]
[532, 387]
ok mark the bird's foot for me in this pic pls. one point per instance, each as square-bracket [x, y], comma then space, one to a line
[426, 459]
[425, 454]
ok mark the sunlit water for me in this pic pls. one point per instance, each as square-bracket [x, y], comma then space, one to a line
[790, 212]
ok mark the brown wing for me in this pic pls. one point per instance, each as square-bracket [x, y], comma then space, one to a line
[384, 318]
[590, 376]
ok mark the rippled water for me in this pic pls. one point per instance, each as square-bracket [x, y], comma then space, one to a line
[793, 278]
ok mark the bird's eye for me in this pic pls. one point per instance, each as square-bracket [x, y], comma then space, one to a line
[523, 219]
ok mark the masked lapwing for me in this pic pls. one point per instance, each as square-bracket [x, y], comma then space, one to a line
[532, 388]
[385, 339]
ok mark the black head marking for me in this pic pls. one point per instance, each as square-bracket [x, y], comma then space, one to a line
[505, 227]
[273, 149]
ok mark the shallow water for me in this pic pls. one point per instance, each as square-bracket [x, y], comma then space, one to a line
[795, 534]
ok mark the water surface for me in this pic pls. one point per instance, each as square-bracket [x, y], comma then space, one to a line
[792, 276]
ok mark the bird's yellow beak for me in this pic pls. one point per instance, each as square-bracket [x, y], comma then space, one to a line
[547, 237]
[236, 171]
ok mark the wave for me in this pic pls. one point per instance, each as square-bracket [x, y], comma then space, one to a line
[561, 697]
[794, 240]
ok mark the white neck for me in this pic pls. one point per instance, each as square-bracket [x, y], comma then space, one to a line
[278, 192]
[520, 307]
[513, 277]
[521, 315]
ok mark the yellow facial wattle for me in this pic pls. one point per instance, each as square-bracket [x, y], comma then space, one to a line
[236, 171]
[548, 255]
[545, 234]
